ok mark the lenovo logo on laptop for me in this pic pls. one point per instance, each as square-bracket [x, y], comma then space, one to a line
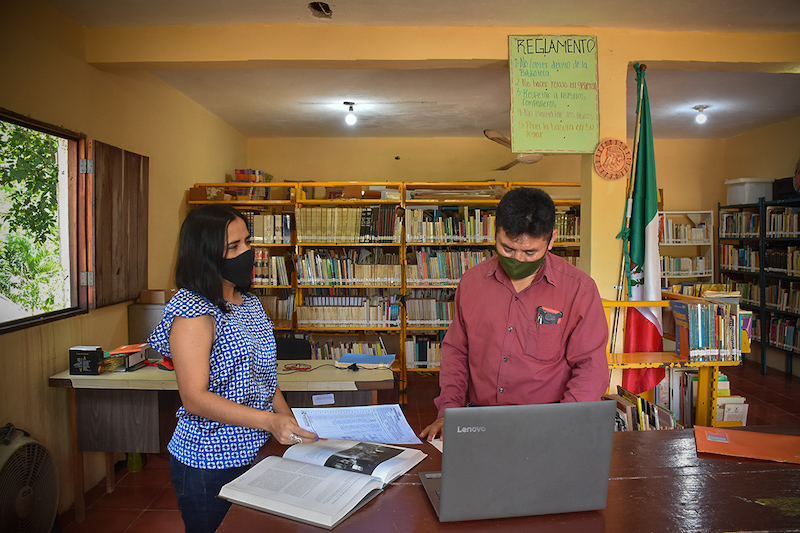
[471, 429]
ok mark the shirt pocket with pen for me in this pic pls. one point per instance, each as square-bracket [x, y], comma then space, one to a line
[544, 340]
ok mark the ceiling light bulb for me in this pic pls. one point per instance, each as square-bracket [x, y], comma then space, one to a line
[700, 118]
[351, 117]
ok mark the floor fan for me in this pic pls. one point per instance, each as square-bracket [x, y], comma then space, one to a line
[28, 483]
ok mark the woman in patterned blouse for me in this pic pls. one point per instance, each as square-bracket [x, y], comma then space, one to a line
[223, 349]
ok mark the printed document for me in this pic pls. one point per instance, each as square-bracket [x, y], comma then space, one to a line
[369, 423]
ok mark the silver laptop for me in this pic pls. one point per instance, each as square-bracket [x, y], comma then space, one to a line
[522, 460]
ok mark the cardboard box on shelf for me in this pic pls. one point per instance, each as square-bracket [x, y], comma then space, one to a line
[156, 296]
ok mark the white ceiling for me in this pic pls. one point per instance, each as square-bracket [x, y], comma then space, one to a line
[462, 102]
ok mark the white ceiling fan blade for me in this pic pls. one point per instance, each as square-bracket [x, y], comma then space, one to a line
[498, 137]
[529, 158]
[507, 166]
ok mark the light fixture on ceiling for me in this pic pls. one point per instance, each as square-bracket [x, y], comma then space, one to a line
[700, 118]
[351, 117]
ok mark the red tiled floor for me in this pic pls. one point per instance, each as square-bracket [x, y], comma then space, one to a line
[144, 502]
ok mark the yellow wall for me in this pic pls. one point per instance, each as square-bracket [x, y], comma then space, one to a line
[45, 76]
[433, 159]
[94, 81]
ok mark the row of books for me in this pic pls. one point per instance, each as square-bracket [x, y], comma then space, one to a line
[678, 393]
[267, 228]
[679, 266]
[250, 175]
[465, 225]
[783, 222]
[442, 267]
[371, 224]
[348, 267]
[331, 350]
[734, 257]
[374, 313]
[423, 351]
[783, 333]
[740, 224]
[671, 233]
[750, 291]
[782, 261]
[472, 225]
[277, 307]
[696, 288]
[429, 312]
[783, 296]
[270, 269]
[709, 331]
[634, 413]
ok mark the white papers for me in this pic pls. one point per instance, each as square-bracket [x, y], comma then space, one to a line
[437, 443]
[370, 423]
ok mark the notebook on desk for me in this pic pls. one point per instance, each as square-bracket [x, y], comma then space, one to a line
[522, 460]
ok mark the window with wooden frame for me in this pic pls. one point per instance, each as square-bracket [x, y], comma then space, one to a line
[73, 229]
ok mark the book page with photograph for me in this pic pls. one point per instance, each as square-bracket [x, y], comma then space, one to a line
[382, 461]
[309, 493]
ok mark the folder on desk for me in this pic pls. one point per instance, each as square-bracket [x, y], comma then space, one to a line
[750, 444]
[365, 360]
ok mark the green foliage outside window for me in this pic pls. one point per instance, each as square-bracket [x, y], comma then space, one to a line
[31, 274]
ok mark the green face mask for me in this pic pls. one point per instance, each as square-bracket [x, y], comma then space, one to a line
[519, 269]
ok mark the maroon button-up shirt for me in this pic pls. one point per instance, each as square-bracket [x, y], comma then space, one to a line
[505, 347]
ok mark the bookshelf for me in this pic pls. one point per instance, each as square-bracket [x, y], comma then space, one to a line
[373, 266]
[759, 251]
[686, 246]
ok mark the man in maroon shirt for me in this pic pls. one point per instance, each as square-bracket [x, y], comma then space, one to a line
[529, 327]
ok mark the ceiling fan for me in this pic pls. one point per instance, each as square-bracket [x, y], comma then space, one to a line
[499, 138]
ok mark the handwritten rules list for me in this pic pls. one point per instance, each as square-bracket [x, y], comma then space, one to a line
[554, 97]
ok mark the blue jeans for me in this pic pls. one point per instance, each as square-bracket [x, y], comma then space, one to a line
[197, 489]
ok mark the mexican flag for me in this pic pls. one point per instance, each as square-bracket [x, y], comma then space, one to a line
[643, 329]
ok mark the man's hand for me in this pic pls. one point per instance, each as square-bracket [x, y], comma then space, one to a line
[433, 430]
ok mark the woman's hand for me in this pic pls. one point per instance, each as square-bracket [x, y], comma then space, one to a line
[285, 429]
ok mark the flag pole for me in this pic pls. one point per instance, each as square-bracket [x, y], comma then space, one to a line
[626, 220]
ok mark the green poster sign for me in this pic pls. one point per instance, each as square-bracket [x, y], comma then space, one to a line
[554, 97]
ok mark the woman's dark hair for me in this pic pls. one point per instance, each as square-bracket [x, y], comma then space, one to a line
[526, 211]
[201, 251]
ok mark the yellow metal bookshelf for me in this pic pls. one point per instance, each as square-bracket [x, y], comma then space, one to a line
[299, 198]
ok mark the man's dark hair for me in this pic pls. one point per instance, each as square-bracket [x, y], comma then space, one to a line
[201, 251]
[526, 211]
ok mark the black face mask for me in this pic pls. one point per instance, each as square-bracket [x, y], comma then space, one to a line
[239, 270]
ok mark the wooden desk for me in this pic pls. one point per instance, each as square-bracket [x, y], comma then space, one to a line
[135, 411]
[658, 483]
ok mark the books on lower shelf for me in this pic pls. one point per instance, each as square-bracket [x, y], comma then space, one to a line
[365, 312]
[335, 350]
[440, 267]
[268, 228]
[321, 483]
[707, 330]
[423, 351]
[634, 413]
[270, 270]
[348, 266]
[342, 225]
[276, 307]
[732, 408]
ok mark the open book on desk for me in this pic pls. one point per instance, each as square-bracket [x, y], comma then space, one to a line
[321, 483]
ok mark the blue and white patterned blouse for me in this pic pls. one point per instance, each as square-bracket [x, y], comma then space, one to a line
[242, 369]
